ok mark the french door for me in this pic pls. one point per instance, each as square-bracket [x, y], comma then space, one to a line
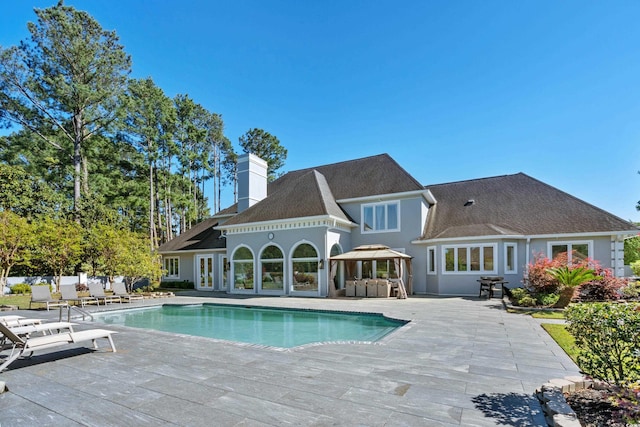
[204, 272]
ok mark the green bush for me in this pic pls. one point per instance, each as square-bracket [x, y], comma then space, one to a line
[631, 291]
[547, 300]
[184, 284]
[21, 288]
[522, 297]
[635, 267]
[608, 336]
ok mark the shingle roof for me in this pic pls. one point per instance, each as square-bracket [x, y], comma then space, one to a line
[314, 191]
[200, 236]
[368, 176]
[513, 205]
[308, 195]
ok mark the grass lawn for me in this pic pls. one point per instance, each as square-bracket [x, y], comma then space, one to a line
[548, 314]
[22, 301]
[564, 339]
[540, 314]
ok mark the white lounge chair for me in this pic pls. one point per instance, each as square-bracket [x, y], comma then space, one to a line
[10, 317]
[26, 346]
[119, 290]
[50, 327]
[97, 291]
[42, 294]
[69, 294]
[19, 321]
[45, 328]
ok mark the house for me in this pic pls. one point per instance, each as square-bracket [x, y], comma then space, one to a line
[278, 238]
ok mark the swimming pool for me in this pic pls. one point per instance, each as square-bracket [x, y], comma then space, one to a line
[274, 327]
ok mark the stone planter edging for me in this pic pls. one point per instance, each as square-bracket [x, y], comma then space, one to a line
[557, 411]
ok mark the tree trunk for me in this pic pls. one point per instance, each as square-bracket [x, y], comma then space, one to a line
[152, 231]
[77, 173]
[566, 295]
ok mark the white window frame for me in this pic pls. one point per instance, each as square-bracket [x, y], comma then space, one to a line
[373, 206]
[515, 258]
[232, 270]
[569, 244]
[168, 273]
[467, 248]
[432, 267]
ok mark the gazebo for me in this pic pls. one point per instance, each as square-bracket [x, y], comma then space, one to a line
[378, 253]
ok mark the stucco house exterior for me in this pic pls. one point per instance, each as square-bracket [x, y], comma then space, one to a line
[279, 237]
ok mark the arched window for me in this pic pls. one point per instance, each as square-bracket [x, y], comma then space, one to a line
[243, 269]
[305, 268]
[272, 266]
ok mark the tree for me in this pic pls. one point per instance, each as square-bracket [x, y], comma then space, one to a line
[68, 77]
[16, 236]
[267, 147]
[631, 250]
[230, 166]
[193, 123]
[150, 120]
[58, 246]
[136, 262]
[25, 196]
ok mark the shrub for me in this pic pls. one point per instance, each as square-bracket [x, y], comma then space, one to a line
[608, 336]
[631, 291]
[547, 300]
[605, 288]
[80, 287]
[522, 297]
[537, 278]
[635, 267]
[21, 288]
[183, 284]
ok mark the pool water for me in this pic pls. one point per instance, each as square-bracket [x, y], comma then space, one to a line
[284, 328]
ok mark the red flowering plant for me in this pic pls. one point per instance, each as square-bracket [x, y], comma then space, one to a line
[606, 287]
[541, 282]
[537, 278]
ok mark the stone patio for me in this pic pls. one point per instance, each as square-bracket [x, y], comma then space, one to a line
[460, 362]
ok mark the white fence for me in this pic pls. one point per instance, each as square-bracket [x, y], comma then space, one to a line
[64, 280]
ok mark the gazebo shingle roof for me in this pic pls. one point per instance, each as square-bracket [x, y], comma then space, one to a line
[513, 205]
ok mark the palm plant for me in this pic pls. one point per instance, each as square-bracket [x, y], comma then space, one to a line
[569, 279]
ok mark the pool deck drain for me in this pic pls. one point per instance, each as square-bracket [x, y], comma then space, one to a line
[462, 361]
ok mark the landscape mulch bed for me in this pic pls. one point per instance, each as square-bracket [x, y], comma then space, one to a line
[595, 409]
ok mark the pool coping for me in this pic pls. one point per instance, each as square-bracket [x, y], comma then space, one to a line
[404, 323]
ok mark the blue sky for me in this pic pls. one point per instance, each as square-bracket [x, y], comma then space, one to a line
[453, 90]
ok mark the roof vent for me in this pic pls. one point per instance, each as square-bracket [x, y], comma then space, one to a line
[470, 202]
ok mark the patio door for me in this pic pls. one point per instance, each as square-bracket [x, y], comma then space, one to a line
[223, 270]
[204, 272]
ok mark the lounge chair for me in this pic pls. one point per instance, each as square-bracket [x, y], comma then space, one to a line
[119, 290]
[96, 291]
[26, 346]
[10, 317]
[44, 328]
[42, 294]
[13, 321]
[69, 294]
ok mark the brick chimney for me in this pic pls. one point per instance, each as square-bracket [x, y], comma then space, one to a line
[252, 180]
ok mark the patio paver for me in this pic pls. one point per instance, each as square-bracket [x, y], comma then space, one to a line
[460, 362]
